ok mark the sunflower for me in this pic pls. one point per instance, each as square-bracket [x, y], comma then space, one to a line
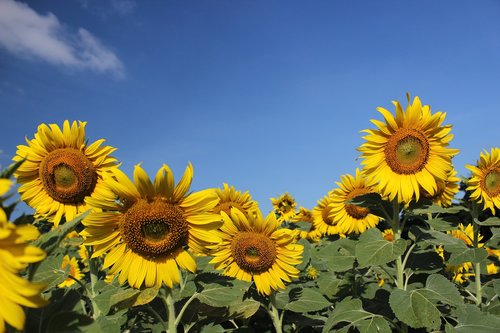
[388, 235]
[324, 220]
[306, 215]
[408, 151]
[284, 207]
[74, 271]
[485, 181]
[230, 197]
[446, 190]
[15, 255]
[351, 218]
[146, 231]
[61, 169]
[253, 248]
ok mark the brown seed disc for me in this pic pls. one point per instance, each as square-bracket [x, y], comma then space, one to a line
[154, 229]
[253, 252]
[67, 175]
[356, 211]
[407, 151]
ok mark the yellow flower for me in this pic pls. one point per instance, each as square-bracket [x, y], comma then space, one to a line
[388, 235]
[230, 197]
[16, 292]
[348, 217]
[324, 220]
[306, 215]
[492, 268]
[485, 181]
[4, 185]
[466, 234]
[145, 232]
[83, 254]
[284, 206]
[61, 169]
[253, 248]
[446, 190]
[408, 152]
[74, 271]
[312, 273]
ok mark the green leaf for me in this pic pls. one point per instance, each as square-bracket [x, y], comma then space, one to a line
[329, 285]
[373, 250]
[50, 273]
[375, 203]
[435, 209]
[68, 321]
[462, 253]
[146, 295]
[472, 320]
[219, 296]
[441, 224]
[306, 254]
[415, 309]
[50, 241]
[351, 311]
[309, 300]
[440, 289]
[9, 171]
[124, 298]
[335, 258]
[435, 237]
[491, 222]
[244, 309]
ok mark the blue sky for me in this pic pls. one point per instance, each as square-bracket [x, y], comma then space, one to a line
[268, 96]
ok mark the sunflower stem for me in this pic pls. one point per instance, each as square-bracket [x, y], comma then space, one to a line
[274, 314]
[170, 304]
[475, 242]
[93, 281]
[397, 235]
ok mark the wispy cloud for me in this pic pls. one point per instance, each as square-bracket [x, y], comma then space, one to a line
[28, 34]
[123, 6]
[106, 8]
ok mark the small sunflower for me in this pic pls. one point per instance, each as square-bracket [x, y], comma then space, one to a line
[284, 207]
[145, 233]
[15, 255]
[485, 181]
[388, 235]
[312, 273]
[230, 197]
[348, 217]
[61, 169]
[446, 190]
[408, 152]
[324, 219]
[74, 271]
[306, 215]
[253, 248]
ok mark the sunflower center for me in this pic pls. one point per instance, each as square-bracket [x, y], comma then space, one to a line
[407, 151]
[492, 183]
[67, 175]
[253, 252]
[355, 211]
[154, 229]
[285, 206]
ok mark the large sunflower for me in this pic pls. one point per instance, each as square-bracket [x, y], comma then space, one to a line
[15, 255]
[254, 248]
[323, 215]
[284, 206]
[485, 181]
[61, 169]
[230, 197]
[146, 231]
[408, 151]
[349, 217]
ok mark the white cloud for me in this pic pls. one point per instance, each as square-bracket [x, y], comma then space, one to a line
[123, 6]
[28, 34]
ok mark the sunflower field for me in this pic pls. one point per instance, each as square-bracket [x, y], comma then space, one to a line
[402, 244]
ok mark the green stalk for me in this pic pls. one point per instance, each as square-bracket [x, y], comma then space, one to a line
[170, 304]
[94, 271]
[273, 313]
[397, 235]
[477, 266]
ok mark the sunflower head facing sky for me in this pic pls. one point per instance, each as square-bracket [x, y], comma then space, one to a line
[147, 231]
[284, 206]
[408, 151]
[484, 183]
[229, 197]
[348, 217]
[254, 248]
[60, 170]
